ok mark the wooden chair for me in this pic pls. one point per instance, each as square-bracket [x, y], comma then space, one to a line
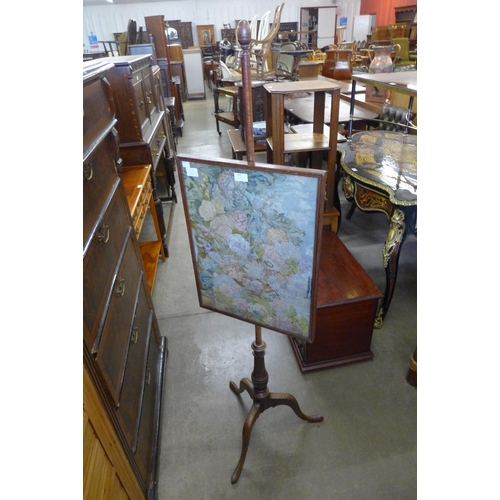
[404, 58]
[260, 49]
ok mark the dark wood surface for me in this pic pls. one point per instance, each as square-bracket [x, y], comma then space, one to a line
[303, 109]
[346, 308]
[380, 175]
[123, 349]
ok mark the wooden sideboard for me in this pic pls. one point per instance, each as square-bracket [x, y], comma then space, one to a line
[124, 353]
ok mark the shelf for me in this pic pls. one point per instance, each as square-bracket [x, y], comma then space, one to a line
[150, 250]
[314, 141]
[136, 181]
[295, 143]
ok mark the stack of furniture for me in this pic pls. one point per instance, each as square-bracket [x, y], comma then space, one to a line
[124, 352]
[142, 124]
[184, 32]
[172, 85]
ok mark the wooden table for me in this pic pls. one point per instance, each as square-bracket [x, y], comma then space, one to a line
[380, 175]
[403, 82]
[303, 109]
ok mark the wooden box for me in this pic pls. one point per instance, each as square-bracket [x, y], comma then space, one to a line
[346, 308]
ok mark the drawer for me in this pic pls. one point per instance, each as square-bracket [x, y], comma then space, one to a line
[141, 216]
[128, 412]
[99, 176]
[157, 144]
[143, 205]
[100, 263]
[113, 346]
[145, 453]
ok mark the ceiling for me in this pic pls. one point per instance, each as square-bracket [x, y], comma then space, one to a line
[105, 2]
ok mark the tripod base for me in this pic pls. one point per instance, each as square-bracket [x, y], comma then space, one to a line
[262, 402]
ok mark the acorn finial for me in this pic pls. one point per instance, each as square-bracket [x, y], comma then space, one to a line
[244, 33]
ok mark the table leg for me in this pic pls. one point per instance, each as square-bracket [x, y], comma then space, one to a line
[402, 223]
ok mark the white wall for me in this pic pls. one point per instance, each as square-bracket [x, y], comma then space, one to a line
[104, 20]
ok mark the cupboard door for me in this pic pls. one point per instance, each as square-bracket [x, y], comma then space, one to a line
[146, 451]
[113, 348]
[134, 379]
[150, 94]
[141, 106]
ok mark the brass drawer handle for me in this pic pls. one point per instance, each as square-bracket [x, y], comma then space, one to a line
[103, 234]
[149, 97]
[135, 335]
[88, 171]
[141, 103]
[155, 152]
[120, 287]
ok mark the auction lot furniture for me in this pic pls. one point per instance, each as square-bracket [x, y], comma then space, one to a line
[124, 352]
[345, 311]
[380, 175]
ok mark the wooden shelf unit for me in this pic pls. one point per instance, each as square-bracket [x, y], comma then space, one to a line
[138, 190]
[317, 143]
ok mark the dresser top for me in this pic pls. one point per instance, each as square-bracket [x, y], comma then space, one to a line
[95, 69]
[130, 60]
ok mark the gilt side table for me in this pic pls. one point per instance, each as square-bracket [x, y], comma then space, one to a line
[380, 175]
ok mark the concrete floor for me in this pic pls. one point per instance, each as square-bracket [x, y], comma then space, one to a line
[366, 447]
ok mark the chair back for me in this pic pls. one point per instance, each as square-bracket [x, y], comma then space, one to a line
[392, 117]
[225, 70]
[404, 43]
[253, 26]
[264, 26]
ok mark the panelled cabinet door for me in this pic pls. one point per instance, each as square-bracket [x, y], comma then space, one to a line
[135, 372]
[141, 106]
[112, 353]
[99, 265]
[146, 452]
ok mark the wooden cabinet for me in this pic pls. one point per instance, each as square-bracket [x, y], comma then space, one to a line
[345, 311]
[124, 352]
[186, 34]
[141, 120]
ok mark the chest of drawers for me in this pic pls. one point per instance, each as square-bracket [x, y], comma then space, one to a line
[124, 352]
